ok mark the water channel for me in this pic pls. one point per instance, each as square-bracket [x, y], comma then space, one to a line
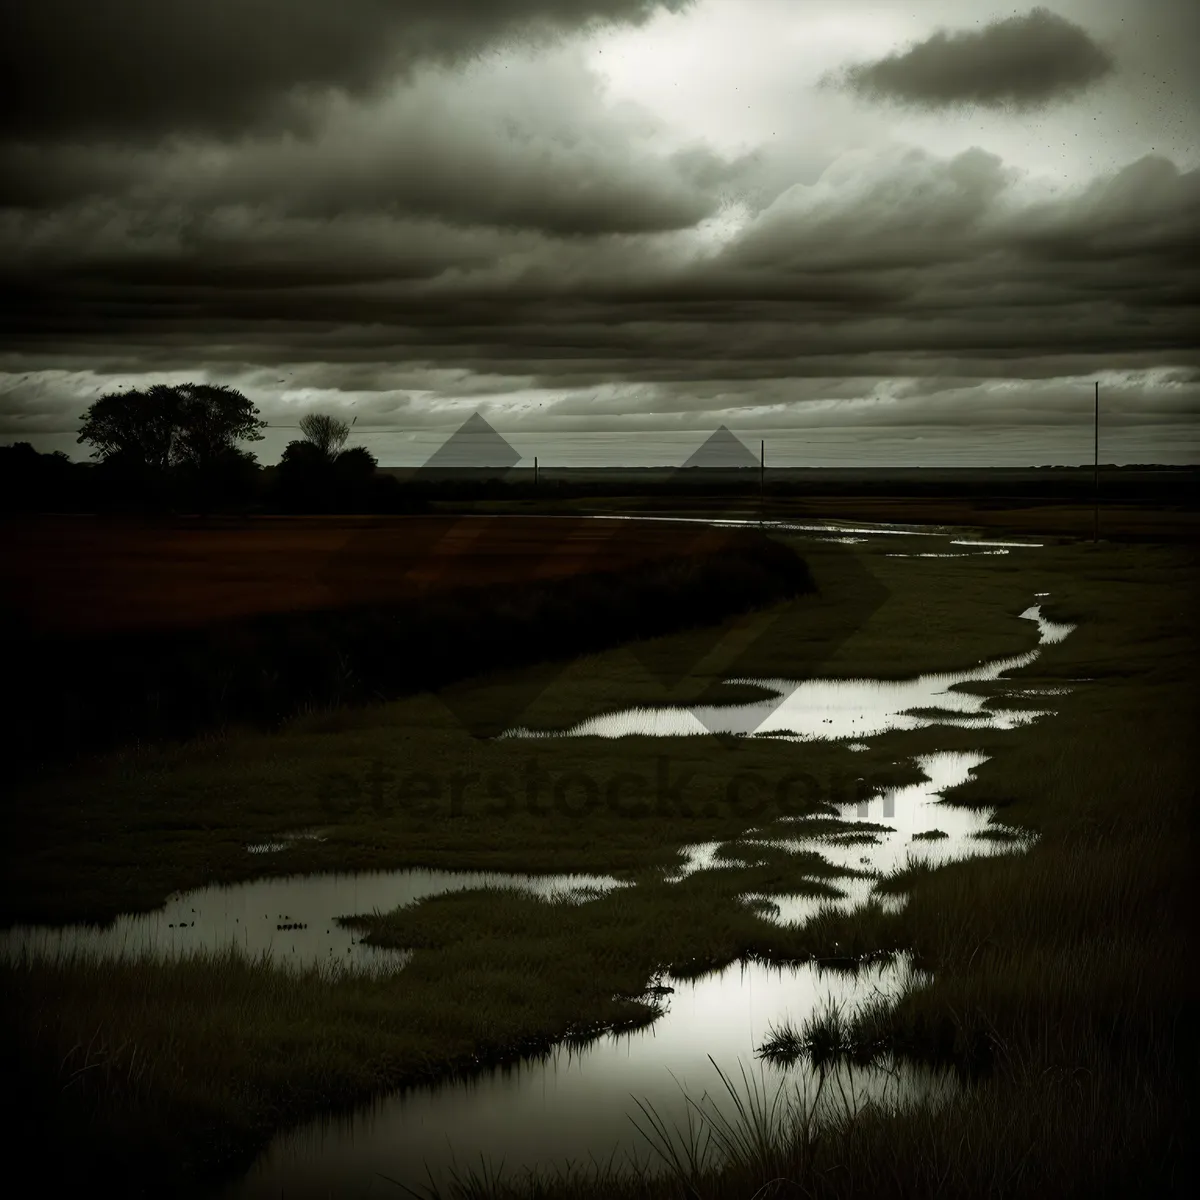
[575, 1106]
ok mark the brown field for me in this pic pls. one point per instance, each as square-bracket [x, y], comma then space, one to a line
[87, 574]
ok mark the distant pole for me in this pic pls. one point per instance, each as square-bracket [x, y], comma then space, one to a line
[535, 471]
[1096, 469]
[762, 478]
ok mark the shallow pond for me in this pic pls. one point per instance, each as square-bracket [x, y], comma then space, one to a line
[575, 1105]
[291, 919]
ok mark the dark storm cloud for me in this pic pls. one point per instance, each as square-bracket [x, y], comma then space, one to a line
[1024, 62]
[475, 148]
[74, 70]
[902, 263]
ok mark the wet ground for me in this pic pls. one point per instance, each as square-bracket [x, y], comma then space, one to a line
[576, 1104]
[291, 920]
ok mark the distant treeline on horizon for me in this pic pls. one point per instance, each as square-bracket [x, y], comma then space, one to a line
[31, 481]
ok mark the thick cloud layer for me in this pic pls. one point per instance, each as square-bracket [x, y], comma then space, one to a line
[142, 69]
[507, 233]
[1023, 61]
[480, 148]
[906, 256]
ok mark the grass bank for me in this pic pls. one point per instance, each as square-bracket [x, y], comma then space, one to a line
[214, 639]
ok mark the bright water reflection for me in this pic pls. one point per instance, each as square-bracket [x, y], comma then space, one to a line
[284, 842]
[981, 542]
[902, 820]
[1049, 631]
[291, 919]
[909, 825]
[830, 709]
[947, 554]
[700, 856]
[837, 528]
[576, 1105]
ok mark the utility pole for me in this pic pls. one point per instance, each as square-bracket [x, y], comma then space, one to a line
[1096, 469]
[535, 471]
[762, 478]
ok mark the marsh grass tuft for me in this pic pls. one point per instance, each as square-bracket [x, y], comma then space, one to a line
[751, 1137]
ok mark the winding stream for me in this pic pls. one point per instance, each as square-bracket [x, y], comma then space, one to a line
[579, 1106]
[575, 1105]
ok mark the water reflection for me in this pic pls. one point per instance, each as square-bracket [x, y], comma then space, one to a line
[866, 529]
[947, 554]
[291, 920]
[980, 542]
[1049, 631]
[831, 709]
[575, 1106]
[700, 856]
[910, 826]
[285, 842]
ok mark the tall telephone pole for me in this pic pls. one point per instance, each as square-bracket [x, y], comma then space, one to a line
[1096, 469]
[762, 478]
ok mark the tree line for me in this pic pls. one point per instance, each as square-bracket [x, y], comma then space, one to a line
[177, 449]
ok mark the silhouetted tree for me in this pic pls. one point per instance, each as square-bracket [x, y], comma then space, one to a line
[327, 433]
[172, 438]
[354, 473]
[134, 427]
[357, 463]
[212, 418]
[304, 478]
[316, 475]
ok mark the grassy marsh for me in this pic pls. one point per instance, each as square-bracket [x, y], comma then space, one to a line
[1061, 971]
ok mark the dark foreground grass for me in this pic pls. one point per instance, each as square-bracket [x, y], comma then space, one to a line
[1060, 975]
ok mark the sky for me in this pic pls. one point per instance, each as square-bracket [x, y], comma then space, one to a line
[876, 234]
